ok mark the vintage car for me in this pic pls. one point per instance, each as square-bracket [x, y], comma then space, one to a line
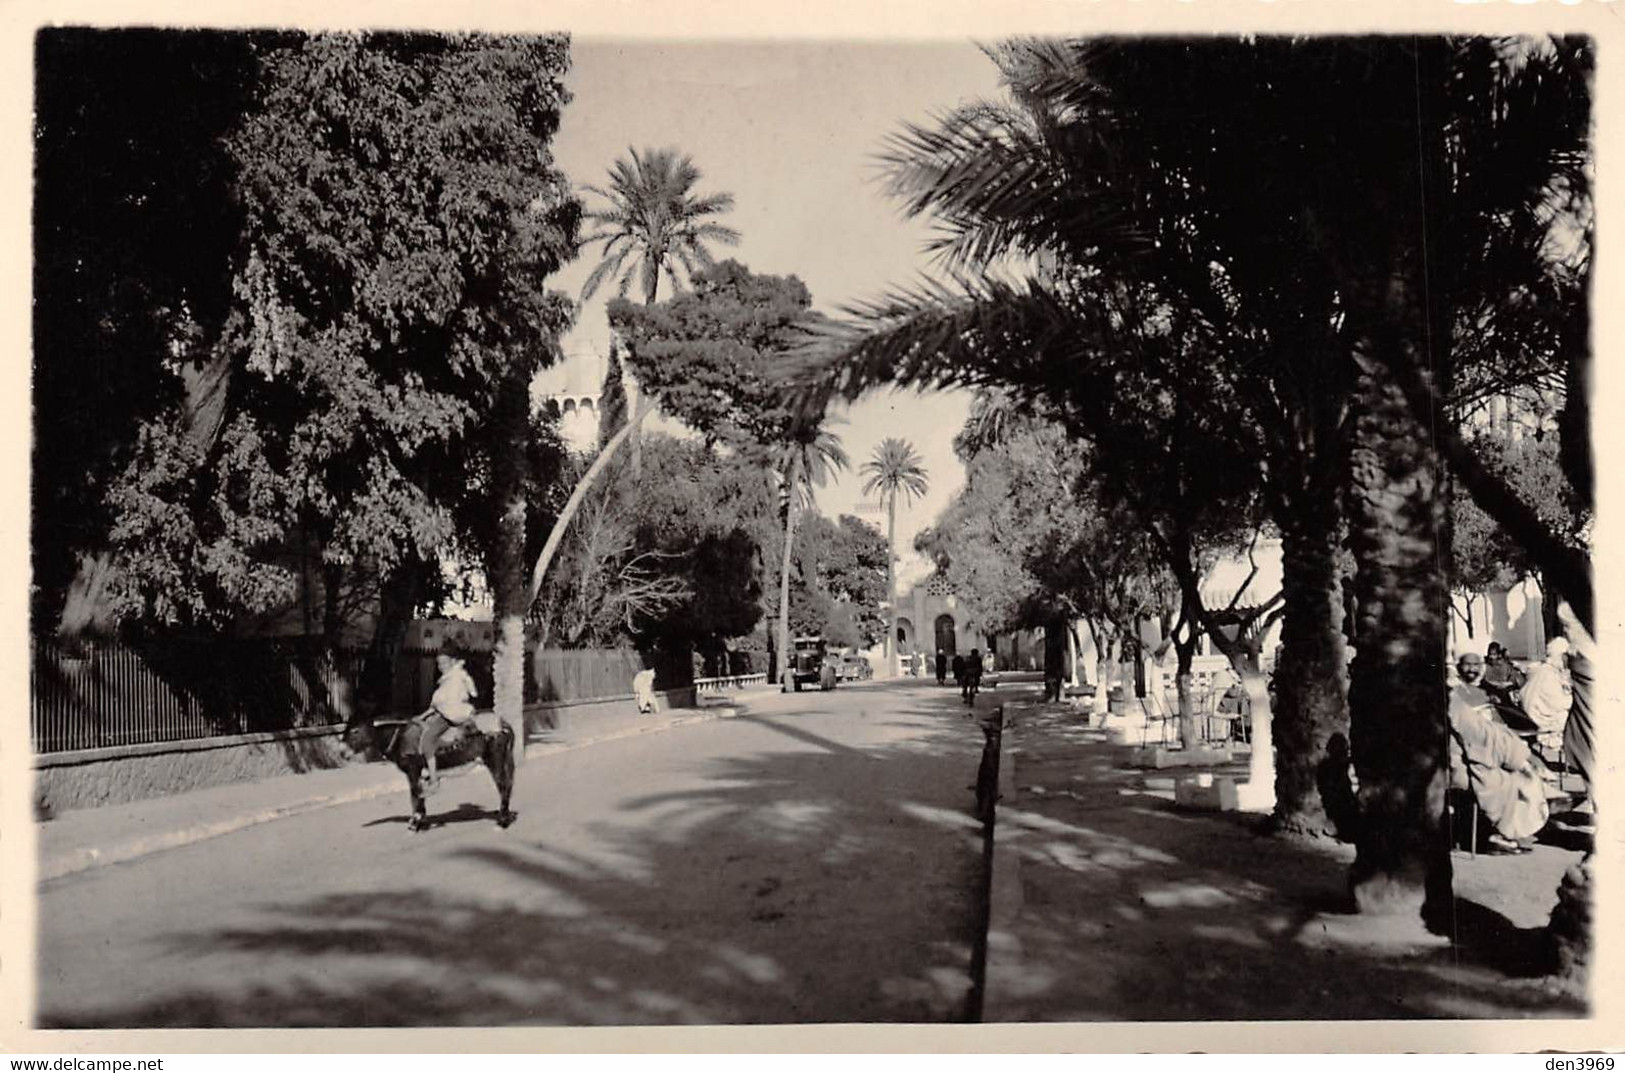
[810, 662]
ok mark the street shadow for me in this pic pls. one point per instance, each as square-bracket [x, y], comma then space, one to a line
[1201, 916]
[467, 812]
[820, 883]
[830, 882]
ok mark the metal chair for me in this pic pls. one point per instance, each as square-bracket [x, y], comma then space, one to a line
[1155, 710]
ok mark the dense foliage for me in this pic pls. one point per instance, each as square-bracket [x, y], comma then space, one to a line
[400, 217]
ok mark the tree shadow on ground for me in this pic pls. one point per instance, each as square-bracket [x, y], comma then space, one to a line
[467, 812]
[1196, 916]
[823, 882]
[828, 881]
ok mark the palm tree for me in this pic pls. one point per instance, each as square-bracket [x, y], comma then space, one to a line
[652, 223]
[1116, 202]
[894, 469]
[1335, 330]
[808, 458]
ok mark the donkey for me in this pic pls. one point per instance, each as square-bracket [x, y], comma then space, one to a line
[397, 740]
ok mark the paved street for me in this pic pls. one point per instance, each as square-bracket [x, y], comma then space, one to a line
[813, 859]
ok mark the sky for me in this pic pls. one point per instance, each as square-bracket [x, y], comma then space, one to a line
[791, 129]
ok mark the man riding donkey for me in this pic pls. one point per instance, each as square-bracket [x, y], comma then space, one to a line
[452, 705]
[449, 724]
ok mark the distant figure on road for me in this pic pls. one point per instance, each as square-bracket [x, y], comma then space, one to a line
[959, 672]
[643, 687]
[973, 675]
[942, 667]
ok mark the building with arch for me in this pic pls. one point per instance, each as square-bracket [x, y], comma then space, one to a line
[930, 619]
[570, 391]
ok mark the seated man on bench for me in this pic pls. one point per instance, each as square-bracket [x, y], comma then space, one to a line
[1493, 764]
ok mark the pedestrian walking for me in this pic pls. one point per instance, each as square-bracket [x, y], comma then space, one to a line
[973, 675]
[942, 667]
[959, 673]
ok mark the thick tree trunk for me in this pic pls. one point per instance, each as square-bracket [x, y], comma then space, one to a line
[399, 593]
[1571, 930]
[1185, 651]
[1103, 664]
[1397, 696]
[1311, 701]
[785, 648]
[505, 568]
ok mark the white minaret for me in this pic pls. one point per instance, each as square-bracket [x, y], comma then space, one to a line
[571, 389]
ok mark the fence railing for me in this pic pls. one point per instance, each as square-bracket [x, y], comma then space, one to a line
[177, 690]
[727, 682]
[106, 694]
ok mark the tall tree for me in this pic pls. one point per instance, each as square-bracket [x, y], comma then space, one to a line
[611, 398]
[135, 226]
[714, 357]
[894, 469]
[805, 459]
[1101, 164]
[653, 222]
[369, 362]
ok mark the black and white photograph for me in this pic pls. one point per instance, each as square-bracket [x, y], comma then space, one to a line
[1043, 525]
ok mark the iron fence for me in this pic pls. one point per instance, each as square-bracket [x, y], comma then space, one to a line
[110, 694]
[113, 694]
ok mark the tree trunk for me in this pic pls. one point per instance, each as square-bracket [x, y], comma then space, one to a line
[891, 585]
[505, 566]
[578, 495]
[1397, 697]
[785, 648]
[1311, 700]
[332, 606]
[1185, 651]
[1572, 929]
[398, 599]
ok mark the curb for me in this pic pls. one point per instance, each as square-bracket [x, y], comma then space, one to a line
[84, 859]
[1002, 966]
[92, 857]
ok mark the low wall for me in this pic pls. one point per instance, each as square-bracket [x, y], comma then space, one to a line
[574, 720]
[116, 775]
[88, 778]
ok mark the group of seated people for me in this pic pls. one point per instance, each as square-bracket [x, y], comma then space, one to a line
[1505, 726]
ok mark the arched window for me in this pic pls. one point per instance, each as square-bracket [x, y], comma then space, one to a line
[945, 634]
